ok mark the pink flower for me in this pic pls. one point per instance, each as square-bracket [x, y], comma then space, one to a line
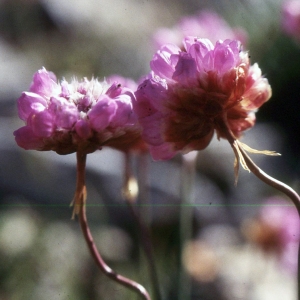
[65, 117]
[206, 24]
[291, 18]
[276, 230]
[191, 92]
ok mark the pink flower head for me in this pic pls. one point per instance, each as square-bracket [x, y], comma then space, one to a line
[65, 117]
[276, 230]
[189, 91]
[291, 18]
[206, 24]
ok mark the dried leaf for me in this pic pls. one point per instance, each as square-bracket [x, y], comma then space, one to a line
[266, 152]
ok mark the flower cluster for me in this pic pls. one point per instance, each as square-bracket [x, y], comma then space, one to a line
[193, 92]
[276, 230]
[206, 24]
[81, 115]
[291, 18]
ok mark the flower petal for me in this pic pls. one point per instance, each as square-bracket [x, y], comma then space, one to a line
[152, 129]
[162, 152]
[30, 103]
[198, 50]
[83, 129]
[186, 70]
[162, 64]
[44, 83]
[258, 90]
[224, 58]
[102, 113]
[42, 123]
[26, 139]
[124, 114]
[151, 96]
[65, 113]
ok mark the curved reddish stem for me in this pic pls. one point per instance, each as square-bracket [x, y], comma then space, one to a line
[280, 186]
[138, 288]
[80, 209]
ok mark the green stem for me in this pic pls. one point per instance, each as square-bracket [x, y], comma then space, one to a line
[144, 231]
[188, 168]
[143, 184]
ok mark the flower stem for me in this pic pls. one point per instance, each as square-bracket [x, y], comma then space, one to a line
[143, 184]
[144, 231]
[280, 186]
[188, 169]
[80, 208]
[80, 192]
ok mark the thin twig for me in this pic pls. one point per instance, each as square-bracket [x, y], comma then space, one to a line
[81, 192]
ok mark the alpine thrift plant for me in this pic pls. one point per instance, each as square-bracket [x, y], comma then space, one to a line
[76, 117]
[192, 92]
[81, 116]
[200, 89]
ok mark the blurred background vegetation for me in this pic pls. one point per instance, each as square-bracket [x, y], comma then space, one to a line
[43, 255]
